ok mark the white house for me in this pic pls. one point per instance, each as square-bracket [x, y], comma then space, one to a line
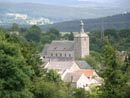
[77, 80]
[62, 67]
[71, 72]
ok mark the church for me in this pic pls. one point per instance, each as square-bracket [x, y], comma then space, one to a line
[64, 50]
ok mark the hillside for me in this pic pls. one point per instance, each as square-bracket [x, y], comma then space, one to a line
[40, 14]
[120, 21]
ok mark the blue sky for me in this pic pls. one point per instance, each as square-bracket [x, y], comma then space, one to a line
[77, 2]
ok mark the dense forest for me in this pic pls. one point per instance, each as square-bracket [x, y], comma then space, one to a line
[21, 75]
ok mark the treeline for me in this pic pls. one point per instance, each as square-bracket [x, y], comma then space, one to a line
[120, 39]
[36, 35]
[120, 21]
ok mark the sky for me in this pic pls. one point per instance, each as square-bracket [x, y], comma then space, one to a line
[80, 3]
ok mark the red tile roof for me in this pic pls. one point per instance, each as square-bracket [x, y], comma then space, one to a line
[86, 72]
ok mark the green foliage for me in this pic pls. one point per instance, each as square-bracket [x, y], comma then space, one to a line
[14, 80]
[80, 93]
[14, 27]
[21, 75]
[118, 39]
[54, 33]
[114, 79]
[93, 59]
[52, 75]
[33, 34]
[31, 57]
[69, 36]
[48, 89]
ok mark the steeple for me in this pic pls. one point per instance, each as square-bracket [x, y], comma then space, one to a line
[81, 43]
[81, 27]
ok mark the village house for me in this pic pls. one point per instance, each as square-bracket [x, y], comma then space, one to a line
[62, 67]
[71, 72]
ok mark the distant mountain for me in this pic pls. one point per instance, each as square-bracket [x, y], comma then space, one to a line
[120, 21]
[31, 13]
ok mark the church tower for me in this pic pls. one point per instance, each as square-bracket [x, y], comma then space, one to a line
[81, 43]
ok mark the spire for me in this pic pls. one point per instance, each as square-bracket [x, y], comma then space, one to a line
[81, 27]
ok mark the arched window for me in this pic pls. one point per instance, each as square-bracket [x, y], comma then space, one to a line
[60, 54]
[56, 54]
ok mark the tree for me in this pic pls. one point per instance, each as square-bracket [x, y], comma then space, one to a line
[33, 34]
[14, 74]
[14, 27]
[71, 36]
[53, 76]
[21, 75]
[42, 89]
[54, 33]
[112, 74]
[80, 93]
[93, 59]
[31, 57]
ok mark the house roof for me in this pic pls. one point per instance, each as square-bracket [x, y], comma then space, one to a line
[64, 45]
[60, 65]
[86, 72]
[72, 77]
[83, 65]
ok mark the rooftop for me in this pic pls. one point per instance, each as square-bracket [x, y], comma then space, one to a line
[83, 65]
[86, 72]
[72, 77]
[60, 45]
[59, 65]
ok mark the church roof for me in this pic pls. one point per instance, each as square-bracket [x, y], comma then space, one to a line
[64, 45]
